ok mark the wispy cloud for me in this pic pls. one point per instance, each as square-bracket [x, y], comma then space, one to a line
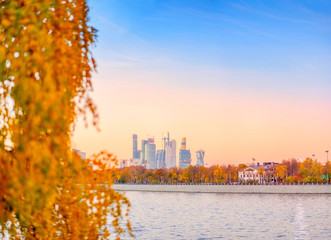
[117, 28]
[267, 14]
[114, 64]
[218, 19]
[120, 29]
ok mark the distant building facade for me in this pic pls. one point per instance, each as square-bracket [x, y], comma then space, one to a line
[170, 154]
[134, 162]
[160, 163]
[184, 155]
[142, 155]
[129, 162]
[200, 158]
[124, 163]
[252, 174]
[184, 158]
[150, 154]
[135, 152]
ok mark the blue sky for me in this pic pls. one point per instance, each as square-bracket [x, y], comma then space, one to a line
[280, 37]
[255, 75]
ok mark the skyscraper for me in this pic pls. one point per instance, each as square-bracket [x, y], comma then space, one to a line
[183, 144]
[200, 158]
[135, 153]
[142, 155]
[184, 155]
[165, 144]
[150, 149]
[160, 159]
[170, 154]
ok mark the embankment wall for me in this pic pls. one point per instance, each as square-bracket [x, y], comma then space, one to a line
[243, 189]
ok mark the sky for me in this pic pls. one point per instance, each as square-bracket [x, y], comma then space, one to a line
[238, 79]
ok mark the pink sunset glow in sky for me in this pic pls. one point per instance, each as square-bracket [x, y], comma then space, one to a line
[236, 83]
[231, 125]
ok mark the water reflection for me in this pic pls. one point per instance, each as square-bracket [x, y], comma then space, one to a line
[229, 216]
[300, 222]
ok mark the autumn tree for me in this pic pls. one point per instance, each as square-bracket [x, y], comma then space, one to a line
[140, 170]
[192, 172]
[160, 175]
[211, 174]
[311, 170]
[148, 175]
[280, 171]
[47, 192]
[180, 177]
[241, 166]
[232, 173]
[327, 170]
[292, 166]
[124, 176]
[202, 174]
[219, 174]
[172, 175]
[187, 174]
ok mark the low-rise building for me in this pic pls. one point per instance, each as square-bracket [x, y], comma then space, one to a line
[135, 162]
[123, 163]
[258, 173]
[129, 162]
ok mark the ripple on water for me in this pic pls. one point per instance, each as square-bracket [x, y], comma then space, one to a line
[157, 215]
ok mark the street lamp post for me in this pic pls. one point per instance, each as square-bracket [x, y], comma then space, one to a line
[327, 155]
[327, 165]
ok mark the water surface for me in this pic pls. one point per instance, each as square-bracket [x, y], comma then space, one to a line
[162, 215]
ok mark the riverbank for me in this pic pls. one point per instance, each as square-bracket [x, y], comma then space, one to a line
[245, 189]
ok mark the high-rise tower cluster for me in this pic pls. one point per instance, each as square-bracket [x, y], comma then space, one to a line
[152, 158]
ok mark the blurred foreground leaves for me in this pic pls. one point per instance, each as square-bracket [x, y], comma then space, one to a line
[47, 191]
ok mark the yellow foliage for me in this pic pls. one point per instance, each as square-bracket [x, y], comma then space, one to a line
[310, 170]
[261, 171]
[46, 191]
[281, 171]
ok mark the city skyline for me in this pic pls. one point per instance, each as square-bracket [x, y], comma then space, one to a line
[210, 162]
[152, 157]
[240, 80]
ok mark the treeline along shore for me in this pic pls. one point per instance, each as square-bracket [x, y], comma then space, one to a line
[304, 188]
[288, 171]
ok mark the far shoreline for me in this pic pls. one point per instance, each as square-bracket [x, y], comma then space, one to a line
[235, 189]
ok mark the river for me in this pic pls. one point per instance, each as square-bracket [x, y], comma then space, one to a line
[164, 215]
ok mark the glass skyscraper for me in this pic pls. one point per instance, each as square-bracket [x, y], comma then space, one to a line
[135, 152]
[200, 158]
[150, 150]
[160, 163]
[170, 154]
[184, 158]
[184, 155]
[142, 155]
